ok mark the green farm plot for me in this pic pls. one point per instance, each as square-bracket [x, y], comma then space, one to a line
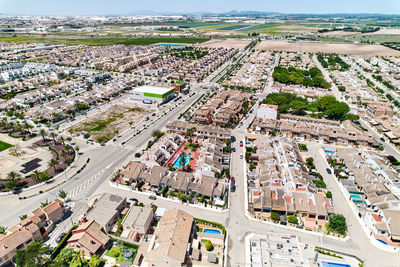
[105, 41]
[199, 25]
[233, 27]
[4, 145]
[259, 27]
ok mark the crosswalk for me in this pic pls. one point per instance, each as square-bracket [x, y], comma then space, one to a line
[82, 190]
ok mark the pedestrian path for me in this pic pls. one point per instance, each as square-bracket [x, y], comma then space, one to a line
[83, 189]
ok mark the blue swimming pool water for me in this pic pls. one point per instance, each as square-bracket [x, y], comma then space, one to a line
[212, 231]
[356, 197]
[333, 264]
[383, 242]
[329, 152]
[173, 45]
[177, 162]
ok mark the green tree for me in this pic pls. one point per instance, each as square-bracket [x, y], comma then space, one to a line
[23, 217]
[329, 194]
[63, 258]
[337, 223]
[275, 216]
[157, 134]
[3, 230]
[95, 261]
[208, 245]
[293, 219]
[43, 134]
[35, 254]
[78, 259]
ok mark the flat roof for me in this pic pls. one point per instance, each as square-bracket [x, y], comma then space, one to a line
[152, 89]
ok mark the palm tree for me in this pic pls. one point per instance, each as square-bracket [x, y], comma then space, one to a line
[77, 148]
[11, 125]
[36, 175]
[182, 160]
[4, 122]
[53, 163]
[69, 139]
[13, 176]
[62, 140]
[44, 204]
[28, 127]
[54, 136]
[62, 194]
[43, 134]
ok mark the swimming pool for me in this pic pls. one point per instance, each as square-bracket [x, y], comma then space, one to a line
[356, 197]
[334, 264]
[173, 45]
[383, 242]
[177, 162]
[329, 152]
[212, 231]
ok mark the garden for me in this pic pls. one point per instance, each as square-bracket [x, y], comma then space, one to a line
[118, 249]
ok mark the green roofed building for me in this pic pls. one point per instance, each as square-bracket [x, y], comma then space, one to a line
[151, 94]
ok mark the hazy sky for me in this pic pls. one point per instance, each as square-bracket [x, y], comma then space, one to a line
[110, 7]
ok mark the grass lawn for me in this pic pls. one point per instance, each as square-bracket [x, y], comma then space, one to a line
[105, 41]
[4, 145]
[119, 258]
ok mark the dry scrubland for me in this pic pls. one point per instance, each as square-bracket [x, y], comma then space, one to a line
[104, 126]
[238, 44]
[348, 49]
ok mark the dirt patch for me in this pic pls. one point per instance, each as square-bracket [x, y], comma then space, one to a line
[237, 44]
[104, 126]
[314, 47]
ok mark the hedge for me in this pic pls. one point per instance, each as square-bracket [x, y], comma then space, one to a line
[63, 242]
[218, 225]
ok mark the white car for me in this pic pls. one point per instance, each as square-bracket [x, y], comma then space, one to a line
[241, 155]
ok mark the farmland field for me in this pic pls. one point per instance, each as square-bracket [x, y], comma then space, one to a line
[199, 25]
[259, 27]
[233, 27]
[315, 47]
[4, 145]
[104, 41]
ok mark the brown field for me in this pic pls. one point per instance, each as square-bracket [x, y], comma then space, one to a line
[105, 125]
[314, 47]
[214, 43]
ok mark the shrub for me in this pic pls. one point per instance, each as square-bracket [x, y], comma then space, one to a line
[208, 245]
[329, 194]
[114, 251]
[292, 219]
[275, 216]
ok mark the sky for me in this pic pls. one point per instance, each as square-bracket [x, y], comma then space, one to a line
[121, 7]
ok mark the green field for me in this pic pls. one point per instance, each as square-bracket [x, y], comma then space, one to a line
[199, 25]
[4, 145]
[233, 27]
[104, 41]
[259, 27]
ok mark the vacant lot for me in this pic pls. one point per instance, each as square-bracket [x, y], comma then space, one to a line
[214, 43]
[109, 123]
[314, 47]
[4, 145]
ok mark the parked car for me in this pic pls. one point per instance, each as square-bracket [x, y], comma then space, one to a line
[60, 237]
[328, 171]
[233, 149]
[233, 179]
[241, 156]
[382, 139]
[152, 197]
[133, 199]
[241, 143]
